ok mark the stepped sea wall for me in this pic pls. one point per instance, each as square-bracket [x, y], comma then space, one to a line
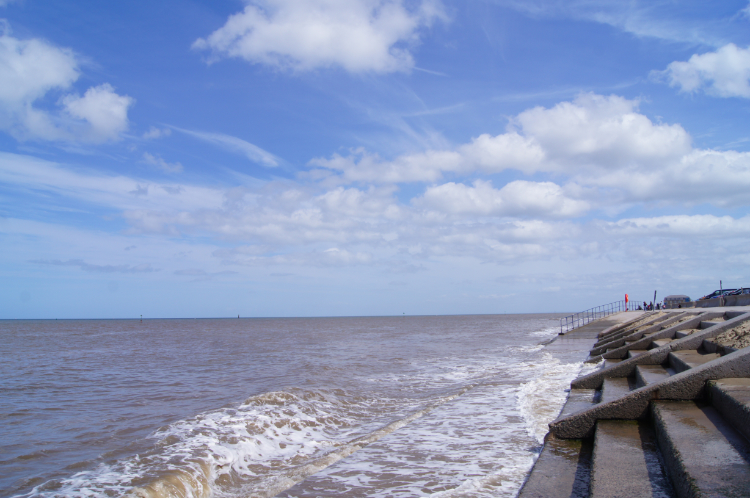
[665, 415]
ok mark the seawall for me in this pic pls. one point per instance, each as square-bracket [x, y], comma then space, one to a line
[667, 414]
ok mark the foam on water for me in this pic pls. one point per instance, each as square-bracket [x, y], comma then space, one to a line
[548, 332]
[263, 447]
[541, 399]
[482, 444]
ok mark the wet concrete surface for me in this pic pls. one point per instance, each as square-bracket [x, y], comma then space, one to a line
[615, 388]
[626, 462]
[581, 339]
[732, 398]
[651, 374]
[564, 470]
[707, 456]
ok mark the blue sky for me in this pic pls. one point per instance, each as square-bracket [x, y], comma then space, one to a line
[369, 157]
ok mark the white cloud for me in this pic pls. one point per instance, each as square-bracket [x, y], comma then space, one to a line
[124, 268]
[358, 35]
[643, 18]
[300, 227]
[115, 192]
[104, 110]
[682, 226]
[518, 199]
[723, 73]
[603, 144]
[155, 132]
[30, 70]
[235, 145]
[490, 154]
[162, 164]
[601, 133]
[593, 133]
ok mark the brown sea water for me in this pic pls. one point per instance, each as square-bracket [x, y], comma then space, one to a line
[370, 406]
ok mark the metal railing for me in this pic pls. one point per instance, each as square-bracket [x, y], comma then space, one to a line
[576, 320]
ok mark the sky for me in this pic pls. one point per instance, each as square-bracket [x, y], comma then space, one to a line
[369, 157]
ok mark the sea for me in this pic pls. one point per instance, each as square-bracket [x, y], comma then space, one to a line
[403, 406]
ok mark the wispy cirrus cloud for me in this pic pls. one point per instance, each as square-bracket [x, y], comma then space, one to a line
[89, 267]
[235, 145]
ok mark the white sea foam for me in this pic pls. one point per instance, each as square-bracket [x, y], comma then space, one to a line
[541, 399]
[266, 432]
[264, 446]
[480, 445]
[548, 332]
[504, 482]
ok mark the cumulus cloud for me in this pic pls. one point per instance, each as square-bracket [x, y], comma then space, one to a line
[32, 69]
[104, 110]
[601, 143]
[517, 199]
[723, 73]
[602, 133]
[357, 35]
[490, 154]
[591, 133]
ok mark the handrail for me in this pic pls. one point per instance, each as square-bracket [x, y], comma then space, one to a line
[580, 319]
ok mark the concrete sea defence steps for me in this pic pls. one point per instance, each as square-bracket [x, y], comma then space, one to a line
[684, 385]
[655, 330]
[618, 332]
[673, 420]
[686, 324]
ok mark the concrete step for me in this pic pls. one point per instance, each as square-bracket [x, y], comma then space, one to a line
[659, 343]
[579, 399]
[703, 454]
[564, 465]
[651, 374]
[562, 470]
[685, 360]
[610, 362]
[614, 388]
[635, 352]
[709, 346]
[626, 461]
[709, 323]
[684, 333]
[731, 397]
